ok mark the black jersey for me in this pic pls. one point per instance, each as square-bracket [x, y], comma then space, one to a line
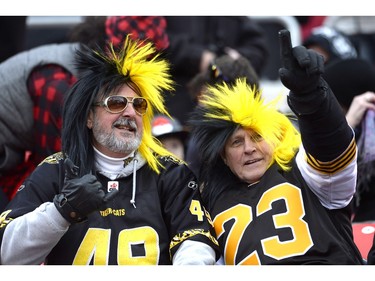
[281, 220]
[167, 212]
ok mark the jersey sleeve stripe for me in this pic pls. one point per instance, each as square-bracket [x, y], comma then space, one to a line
[337, 164]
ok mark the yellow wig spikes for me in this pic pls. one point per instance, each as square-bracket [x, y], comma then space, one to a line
[139, 63]
[226, 108]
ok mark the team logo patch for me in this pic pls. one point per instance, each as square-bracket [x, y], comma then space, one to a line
[112, 185]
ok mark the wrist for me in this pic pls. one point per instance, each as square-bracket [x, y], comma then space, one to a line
[308, 102]
[66, 209]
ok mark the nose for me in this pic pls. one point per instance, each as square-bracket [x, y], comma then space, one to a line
[250, 145]
[129, 110]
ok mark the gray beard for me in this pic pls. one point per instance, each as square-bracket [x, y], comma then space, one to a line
[115, 144]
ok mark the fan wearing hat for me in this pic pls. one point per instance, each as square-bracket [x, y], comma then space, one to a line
[171, 134]
[330, 43]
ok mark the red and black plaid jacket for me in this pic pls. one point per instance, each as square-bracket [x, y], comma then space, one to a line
[46, 85]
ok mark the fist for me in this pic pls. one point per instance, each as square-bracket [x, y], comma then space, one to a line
[80, 196]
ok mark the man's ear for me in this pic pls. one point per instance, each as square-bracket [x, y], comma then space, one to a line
[90, 119]
[222, 155]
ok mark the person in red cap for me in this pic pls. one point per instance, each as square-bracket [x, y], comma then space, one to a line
[33, 86]
[171, 134]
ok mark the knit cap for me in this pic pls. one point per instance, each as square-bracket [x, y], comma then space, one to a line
[152, 28]
[336, 44]
[349, 78]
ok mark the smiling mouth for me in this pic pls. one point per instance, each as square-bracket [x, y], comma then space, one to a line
[250, 162]
[122, 127]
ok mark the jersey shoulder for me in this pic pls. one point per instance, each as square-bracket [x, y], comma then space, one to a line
[53, 159]
[169, 159]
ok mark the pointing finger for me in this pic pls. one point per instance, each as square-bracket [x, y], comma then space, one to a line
[285, 48]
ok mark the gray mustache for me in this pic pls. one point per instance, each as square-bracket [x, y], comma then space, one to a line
[126, 122]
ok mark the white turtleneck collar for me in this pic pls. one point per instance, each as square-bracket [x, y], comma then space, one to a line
[113, 168]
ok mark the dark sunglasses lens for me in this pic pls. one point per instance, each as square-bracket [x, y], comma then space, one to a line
[140, 105]
[116, 103]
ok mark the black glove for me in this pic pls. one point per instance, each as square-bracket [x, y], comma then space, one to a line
[301, 68]
[79, 196]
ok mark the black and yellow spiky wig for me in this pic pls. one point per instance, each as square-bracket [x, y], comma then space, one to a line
[226, 108]
[137, 64]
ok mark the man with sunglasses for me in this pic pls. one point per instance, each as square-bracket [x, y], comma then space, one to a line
[113, 195]
[33, 84]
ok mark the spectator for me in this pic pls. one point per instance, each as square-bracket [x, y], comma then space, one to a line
[331, 44]
[125, 200]
[33, 84]
[30, 114]
[171, 134]
[360, 30]
[307, 23]
[277, 195]
[222, 69]
[195, 41]
[353, 82]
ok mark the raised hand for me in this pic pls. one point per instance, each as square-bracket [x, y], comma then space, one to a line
[79, 196]
[301, 68]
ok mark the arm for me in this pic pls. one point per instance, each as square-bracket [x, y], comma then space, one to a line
[194, 253]
[193, 240]
[47, 85]
[35, 233]
[327, 159]
[38, 231]
[324, 129]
